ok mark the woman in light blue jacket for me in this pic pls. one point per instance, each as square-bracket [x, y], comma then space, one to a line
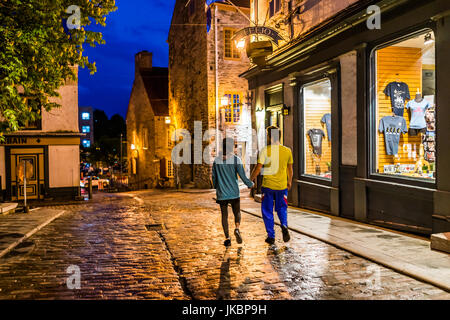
[226, 169]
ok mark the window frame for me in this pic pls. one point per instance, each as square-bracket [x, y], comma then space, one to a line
[232, 45]
[303, 138]
[170, 169]
[372, 125]
[88, 118]
[275, 11]
[83, 143]
[232, 108]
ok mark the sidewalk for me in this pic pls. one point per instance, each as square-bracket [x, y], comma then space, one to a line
[406, 254]
[16, 228]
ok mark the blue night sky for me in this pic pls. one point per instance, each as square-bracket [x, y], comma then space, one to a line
[135, 26]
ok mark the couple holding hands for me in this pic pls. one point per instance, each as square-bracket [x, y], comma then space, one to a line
[275, 164]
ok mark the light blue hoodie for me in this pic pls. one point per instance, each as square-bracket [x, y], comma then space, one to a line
[225, 177]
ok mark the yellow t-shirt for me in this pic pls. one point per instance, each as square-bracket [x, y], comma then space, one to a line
[275, 159]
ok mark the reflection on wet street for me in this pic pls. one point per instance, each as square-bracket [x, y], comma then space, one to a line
[153, 245]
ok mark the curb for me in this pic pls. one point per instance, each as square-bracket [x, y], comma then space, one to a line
[401, 267]
[30, 233]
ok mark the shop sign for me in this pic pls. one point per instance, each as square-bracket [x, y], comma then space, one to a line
[13, 141]
[264, 31]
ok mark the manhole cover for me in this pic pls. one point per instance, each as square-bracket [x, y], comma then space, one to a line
[155, 227]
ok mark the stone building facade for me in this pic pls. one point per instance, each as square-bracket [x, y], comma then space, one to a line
[148, 126]
[204, 68]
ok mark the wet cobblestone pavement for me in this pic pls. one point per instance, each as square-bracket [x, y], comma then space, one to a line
[150, 245]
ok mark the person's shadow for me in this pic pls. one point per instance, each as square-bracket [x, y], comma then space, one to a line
[224, 291]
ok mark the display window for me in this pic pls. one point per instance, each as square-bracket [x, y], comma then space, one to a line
[317, 129]
[403, 119]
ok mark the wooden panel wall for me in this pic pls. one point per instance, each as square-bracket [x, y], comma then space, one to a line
[401, 64]
[315, 108]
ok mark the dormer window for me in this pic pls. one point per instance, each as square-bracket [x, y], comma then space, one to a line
[275, 7]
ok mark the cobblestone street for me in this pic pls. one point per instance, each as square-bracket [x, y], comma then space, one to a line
[153, 245]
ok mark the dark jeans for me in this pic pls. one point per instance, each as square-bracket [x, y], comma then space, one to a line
[236, 207]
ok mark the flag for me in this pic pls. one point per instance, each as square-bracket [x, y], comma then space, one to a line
[208, 4]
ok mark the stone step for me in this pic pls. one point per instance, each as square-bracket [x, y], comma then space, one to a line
[441, 242]
[6, 208]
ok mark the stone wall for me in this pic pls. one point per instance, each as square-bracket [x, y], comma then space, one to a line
[192, 78]
[188, 88]
[312, 13]
[228, 77]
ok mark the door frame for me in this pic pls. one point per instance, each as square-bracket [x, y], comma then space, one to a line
[41, 193]
[330, 202]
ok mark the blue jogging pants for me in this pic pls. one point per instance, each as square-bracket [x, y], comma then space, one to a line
[280, 198]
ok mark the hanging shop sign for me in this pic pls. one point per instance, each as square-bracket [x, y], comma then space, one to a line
[264, 31]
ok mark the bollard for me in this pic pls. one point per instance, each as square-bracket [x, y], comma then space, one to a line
[25, 206]
[90, 188]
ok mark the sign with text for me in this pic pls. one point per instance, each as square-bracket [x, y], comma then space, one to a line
[264, 31]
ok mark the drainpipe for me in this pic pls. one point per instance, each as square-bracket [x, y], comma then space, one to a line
[216, 56]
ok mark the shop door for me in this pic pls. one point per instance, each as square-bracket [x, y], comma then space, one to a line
[27, 163]
[274, 117]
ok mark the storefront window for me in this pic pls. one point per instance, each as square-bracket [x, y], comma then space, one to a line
[317, 129]
[404, 115]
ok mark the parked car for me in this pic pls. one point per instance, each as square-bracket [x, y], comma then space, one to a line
[96, 181]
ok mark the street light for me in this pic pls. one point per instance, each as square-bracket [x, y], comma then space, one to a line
[225, 101]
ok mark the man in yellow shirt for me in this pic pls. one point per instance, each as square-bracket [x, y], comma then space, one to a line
[275, 164]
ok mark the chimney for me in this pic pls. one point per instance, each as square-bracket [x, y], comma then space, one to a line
[143, 60]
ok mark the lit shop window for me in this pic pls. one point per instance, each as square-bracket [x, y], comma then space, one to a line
[86, 129]
[85, 116]
[233, 110]
[86, 143]
[403, 139]
[231, 52]
[317, 129]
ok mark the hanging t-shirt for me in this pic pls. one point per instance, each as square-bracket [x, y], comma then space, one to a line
[418, 110]
[327, 120]
[399, 92]
[393, 127]
[316, 136]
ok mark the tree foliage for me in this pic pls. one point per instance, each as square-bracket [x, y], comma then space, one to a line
[38, 53]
